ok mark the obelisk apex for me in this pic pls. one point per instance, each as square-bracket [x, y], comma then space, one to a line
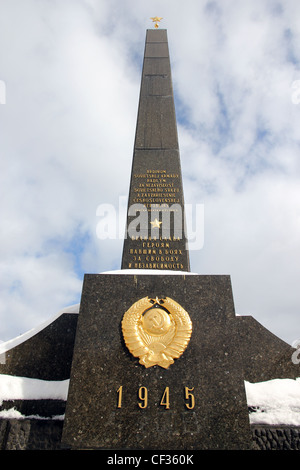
[155, 232]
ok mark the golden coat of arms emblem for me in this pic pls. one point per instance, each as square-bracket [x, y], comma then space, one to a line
[157, 331]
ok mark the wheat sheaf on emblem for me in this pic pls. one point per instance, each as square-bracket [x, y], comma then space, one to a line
[157, 331]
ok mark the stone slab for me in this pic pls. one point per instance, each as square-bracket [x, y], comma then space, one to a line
[265, 356]
[30, 434]
[210, 366]
[156, 49]
[47, 355]
[157, 35]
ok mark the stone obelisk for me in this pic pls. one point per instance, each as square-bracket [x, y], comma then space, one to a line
[155, 230]
[156, 361]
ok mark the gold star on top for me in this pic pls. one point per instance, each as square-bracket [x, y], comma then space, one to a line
[156, 300]
[155, 223]
[156, 20]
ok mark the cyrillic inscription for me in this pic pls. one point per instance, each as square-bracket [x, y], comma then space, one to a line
[156, 187]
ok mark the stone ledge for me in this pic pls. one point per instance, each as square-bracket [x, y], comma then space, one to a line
[30, 434]
[276, 437]
[34, 434]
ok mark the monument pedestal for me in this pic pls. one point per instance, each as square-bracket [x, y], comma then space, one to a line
[198, 402]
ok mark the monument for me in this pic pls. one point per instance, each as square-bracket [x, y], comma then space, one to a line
[156, 362]
[156, 357]
[156, 183]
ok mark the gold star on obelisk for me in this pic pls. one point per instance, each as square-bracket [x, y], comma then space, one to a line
[155, 223]
[156, 20]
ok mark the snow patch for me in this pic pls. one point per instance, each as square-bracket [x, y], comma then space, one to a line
[12, 413]
[24, 388]
[277, 402]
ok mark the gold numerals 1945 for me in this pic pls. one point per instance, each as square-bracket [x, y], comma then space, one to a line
[164, 401]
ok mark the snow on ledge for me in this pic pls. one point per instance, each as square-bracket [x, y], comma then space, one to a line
[12, 343]
[24, 388]
[277, 401]
[152, 272]
[12, 413]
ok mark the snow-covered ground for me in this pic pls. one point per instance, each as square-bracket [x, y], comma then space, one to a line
[276, 401]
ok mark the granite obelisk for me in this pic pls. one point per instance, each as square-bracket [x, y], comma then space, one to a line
[155, 230]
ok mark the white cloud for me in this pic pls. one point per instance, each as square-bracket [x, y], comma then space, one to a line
[72, 75]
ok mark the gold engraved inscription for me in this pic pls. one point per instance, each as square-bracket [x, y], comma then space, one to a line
[156, 187]
[157, 331]
[165, 401]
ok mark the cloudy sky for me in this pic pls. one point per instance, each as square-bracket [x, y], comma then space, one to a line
[70, 75]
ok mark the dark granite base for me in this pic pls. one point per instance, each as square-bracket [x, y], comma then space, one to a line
[211, 366]
[32, 434]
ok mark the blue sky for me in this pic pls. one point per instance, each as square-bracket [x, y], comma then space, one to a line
[72, 73]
